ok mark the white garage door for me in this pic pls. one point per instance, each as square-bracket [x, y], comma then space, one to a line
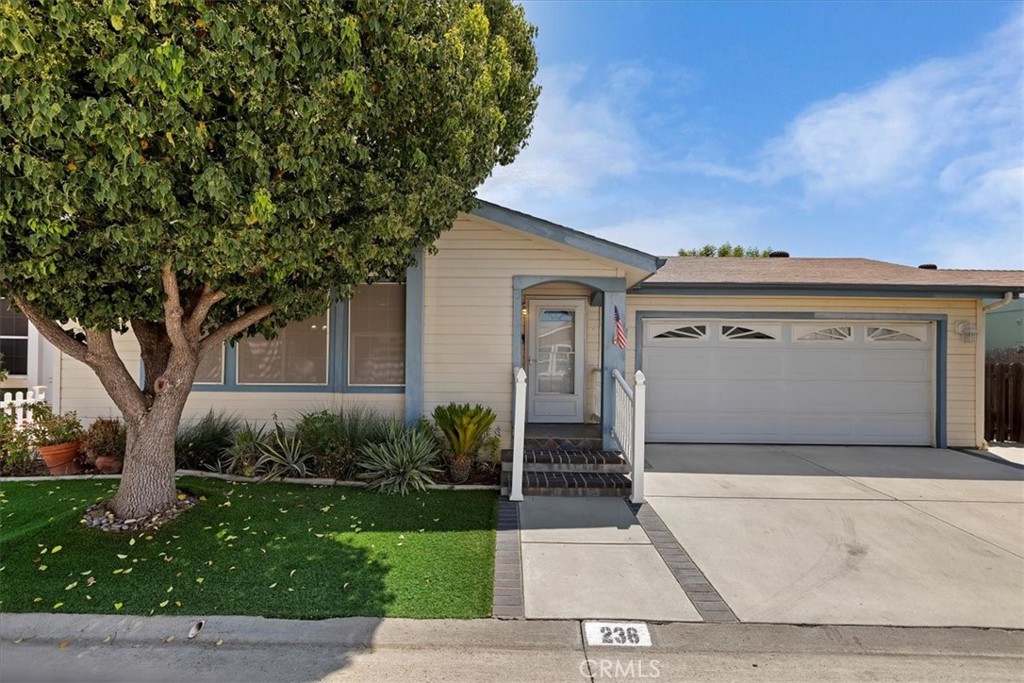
[747, 381]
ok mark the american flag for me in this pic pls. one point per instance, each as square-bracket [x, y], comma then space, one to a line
[620, 330]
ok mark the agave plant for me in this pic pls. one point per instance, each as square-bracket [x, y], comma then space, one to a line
[403, 462]
[283, 455]
[466, 428]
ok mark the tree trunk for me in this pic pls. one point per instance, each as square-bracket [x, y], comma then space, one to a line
[147, 480]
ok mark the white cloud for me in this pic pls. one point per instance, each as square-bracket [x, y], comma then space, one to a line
[902, 131]
[578, 139]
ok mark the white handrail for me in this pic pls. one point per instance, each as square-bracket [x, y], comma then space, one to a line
[19, 405]
[629, 427]
[518, 435]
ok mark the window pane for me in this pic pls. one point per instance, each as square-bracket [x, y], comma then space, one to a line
[12, 323]
[211, 368]
[15, 353]
[298, 355]
[377, 335]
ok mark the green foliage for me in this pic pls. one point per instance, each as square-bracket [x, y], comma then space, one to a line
[201, 443]
[282, 455]
[727, 249]
[465, 428]
[335, 439]
[50, 429]
[273, 151]
[402, 463]
[15, 449]
[242, 456]
[105, 437]
[3, 370]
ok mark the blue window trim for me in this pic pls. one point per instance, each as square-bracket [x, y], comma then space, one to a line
[337, 364]
[941, 342]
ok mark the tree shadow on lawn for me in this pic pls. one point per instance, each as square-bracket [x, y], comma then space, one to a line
[272, 550]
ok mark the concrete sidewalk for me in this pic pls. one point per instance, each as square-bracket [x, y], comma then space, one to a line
[589, 558]
[37, 647]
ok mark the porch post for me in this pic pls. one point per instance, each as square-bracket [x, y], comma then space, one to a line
[613, 358]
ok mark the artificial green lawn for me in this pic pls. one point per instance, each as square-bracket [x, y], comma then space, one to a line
[275, 550]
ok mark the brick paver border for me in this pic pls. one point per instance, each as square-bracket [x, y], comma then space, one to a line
[698, 589]
[508, 564]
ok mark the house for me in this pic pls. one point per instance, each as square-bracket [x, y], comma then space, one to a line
[776, 350]
[1004, 327]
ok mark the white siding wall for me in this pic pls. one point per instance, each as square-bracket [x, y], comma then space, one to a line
[963, 412]
[82, 392]
[468, 311]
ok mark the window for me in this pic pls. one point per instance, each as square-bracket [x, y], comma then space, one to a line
[738, 332]
[211, 368]
[889, 334]
[377, 336]
[297, 355]
[684, 332]
[13, 339]
[815, 333]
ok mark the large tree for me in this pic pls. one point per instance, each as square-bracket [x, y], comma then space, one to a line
[196, 171]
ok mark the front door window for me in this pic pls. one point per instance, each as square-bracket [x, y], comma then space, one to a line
[556, 352]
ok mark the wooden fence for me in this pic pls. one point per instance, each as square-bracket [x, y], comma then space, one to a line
[1004, 402]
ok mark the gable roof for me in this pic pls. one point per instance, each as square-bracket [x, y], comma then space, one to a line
[827, 273]
[539, 227]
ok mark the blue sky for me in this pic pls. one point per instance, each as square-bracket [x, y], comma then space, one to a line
[887, 130]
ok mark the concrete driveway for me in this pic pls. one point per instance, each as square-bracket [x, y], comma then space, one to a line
[848, 535]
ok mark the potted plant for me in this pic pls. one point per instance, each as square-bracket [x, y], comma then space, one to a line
[465, 429]
[104, 445]
[55, 438]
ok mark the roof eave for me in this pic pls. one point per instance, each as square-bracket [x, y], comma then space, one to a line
[539, 227]
[824, 289]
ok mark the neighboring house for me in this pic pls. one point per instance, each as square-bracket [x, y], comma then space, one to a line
[1004, 327]
[785, 350]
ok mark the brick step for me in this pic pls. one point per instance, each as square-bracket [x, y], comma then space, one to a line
[563, 442]
[574, 484]
[568, 461]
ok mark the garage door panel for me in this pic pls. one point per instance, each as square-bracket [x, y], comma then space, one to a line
[849, 390]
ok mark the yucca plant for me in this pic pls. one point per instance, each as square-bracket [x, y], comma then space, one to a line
[403, 462]
[244, 452]
[282, 455]
[466, 429]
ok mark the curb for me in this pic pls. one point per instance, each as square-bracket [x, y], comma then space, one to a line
[252, 480]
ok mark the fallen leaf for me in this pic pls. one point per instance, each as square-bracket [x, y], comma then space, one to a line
[57, 605]
[199, 579]
[219, 643]
[18, 640]
[70, 585]
[131, 541]
[56, 549]
[272, 585]
[37, 600]
[118, 605]
[42, 567]
[64, 644]
[164, 603]
[122, 557]
[169, 639]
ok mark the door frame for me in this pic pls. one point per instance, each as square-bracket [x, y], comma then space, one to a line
[579, 306]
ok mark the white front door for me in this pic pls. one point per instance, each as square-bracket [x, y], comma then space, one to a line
[555, 360]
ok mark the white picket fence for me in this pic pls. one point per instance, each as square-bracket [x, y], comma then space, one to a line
[19, 405]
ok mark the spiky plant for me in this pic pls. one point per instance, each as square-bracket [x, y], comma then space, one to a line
[466, 429]
[403, 462]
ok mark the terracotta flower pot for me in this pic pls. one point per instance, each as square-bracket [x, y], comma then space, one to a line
[108, 465]
[62, 458]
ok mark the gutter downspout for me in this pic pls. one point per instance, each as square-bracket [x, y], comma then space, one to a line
[1007, 298]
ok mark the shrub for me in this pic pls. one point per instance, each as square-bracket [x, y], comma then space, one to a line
[403, 462]
[15, 449]
[466, 429]
[282, 456]
[201, 444]
[50, 429]
[242, 456]
[106, 437]
[335, 439]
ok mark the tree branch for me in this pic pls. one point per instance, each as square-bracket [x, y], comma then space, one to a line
[229, 330]
[108, 366]
[174, 314]
[54, 333]
[202, 308]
